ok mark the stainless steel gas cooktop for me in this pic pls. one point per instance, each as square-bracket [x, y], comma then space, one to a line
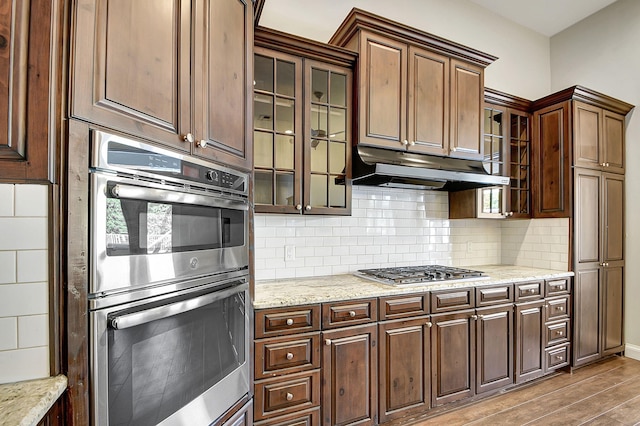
[404, 275]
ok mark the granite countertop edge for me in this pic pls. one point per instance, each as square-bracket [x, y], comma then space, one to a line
[330, 288]
[26, 403]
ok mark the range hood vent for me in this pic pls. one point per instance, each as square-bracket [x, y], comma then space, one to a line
[398, 169]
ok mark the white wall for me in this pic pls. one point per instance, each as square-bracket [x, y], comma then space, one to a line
[523, 65]
[601, 52]
[24, 291]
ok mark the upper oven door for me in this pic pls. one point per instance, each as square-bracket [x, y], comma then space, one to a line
[146, 233]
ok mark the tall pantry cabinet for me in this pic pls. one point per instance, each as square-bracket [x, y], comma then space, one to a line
[583, 132]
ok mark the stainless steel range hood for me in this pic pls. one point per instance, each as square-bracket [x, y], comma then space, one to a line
[398, 169]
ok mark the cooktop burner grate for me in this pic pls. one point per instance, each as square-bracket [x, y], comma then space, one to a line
[420, 274]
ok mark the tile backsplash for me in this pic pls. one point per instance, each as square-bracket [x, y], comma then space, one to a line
[401, 227]
[24, 290]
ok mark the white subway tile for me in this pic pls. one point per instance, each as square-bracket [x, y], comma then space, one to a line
[33, 331]
[8, 334]
[6, 200]
[32, 200]
[23, 233]
[24, 299]
[24, 364]
[33, 266]
[8, 267]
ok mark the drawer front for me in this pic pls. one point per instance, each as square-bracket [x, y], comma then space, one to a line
[557, 308]
[452, 300]
[304, 418]
[557, 287]
[277, 356]
[353, 312]
[557, 333]
[528, 291]
[288, 394]
[486, 296]
[404, 306]
[283, 321]
[556, 357]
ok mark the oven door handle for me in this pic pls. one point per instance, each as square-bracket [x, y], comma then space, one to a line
[119, 322]
[132, 192]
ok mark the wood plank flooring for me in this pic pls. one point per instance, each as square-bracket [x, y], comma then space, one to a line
[605, 393]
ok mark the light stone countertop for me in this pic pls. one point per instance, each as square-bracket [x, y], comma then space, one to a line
[309, 290]
[26, 403]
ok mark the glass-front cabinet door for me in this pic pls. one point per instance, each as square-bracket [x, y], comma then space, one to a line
[277, 135]
[492, 200]
[302, 135]
[520, 164]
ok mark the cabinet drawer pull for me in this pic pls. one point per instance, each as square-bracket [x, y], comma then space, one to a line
[289, 396]
[412, 143]
[289, 356]
[429, 324]
[202, 143]
[298, 206]
[559, 333]
[531, 290]
[560, 308]
[307, 207]
[327, 342]
[188, 138]
[603, 164]
[289, 321]
[405, 142]
[559, 357]
[474, 317]
[352, 314]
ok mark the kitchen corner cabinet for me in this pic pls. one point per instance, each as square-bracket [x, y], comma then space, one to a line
[416, 92]
[30, 66]
[507, 152]
[175, 72]
[302, 125]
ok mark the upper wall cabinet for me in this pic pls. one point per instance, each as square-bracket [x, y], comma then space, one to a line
[176, 72]
[578, 120]
[30, 43]
[416, 92]
[302, 125]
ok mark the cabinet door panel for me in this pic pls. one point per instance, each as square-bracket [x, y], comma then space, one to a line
[222, 120]
[613, 141]
[467, 100]
[586, 333]
[587, 217]
[404, 367]
[349, 376]
[428, 112]
[452, 358]
[613, 217]
[132, 67]
[383, 90]
[495, 348]
[529, 341]
[587, 136]
[612, 309]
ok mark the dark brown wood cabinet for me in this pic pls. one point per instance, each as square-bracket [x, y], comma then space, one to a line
[507, 152]
[350, 376]
[529, 340]
[30, 90]
[175, 72]
[416, 92]
[302, 125]
[494, 351]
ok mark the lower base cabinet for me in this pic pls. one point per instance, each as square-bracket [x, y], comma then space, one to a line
[494, 352]
[529, 345]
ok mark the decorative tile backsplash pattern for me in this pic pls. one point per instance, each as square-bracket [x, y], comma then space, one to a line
[401, 227]
[24, 292]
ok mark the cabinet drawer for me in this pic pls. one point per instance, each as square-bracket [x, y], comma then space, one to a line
[283, 321]
[288, 394]
[486, 296]
[556, 309]
[353, 312]
[528, 291]
[396, 307]
[556, 357]
[277, 356]
[304, 418]
[452, 300]
[557, 333]
[556, 287]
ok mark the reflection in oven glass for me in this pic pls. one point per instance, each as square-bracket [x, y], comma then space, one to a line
[157, 368]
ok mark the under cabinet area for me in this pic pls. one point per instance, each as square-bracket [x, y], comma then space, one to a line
[302, 125]
[379, 359]
[165, 76]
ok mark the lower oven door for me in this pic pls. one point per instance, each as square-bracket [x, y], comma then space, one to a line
[172, 360]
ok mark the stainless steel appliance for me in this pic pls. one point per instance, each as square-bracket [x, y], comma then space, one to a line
[417, 275]
[169, 304]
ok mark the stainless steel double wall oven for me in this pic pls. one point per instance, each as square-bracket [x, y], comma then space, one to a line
[169, 303]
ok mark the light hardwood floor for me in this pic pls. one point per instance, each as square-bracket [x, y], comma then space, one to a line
[605, 393]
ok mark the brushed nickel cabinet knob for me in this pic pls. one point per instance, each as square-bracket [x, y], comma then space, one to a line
[352, 314]
[289, 396]
[429, 324]
[327, 342]
[289, 356]
[188, 138]
[289, 321]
